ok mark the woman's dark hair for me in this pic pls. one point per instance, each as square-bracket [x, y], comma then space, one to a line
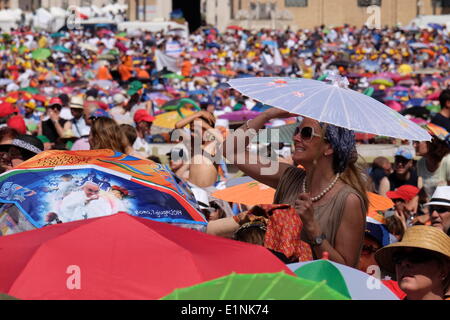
[444, 97]
[251, 232]
[438, 149]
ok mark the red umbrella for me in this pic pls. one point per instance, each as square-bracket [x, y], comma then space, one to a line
[434, 96]
[203, 73]
[120, 257]
[39, 97]
[235, 28]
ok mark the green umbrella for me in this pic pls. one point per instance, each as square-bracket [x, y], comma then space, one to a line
[172, 76]
[41, 54]
[121, 34]
[177, 104]
[434, 108]
[4, 296]
[134, 87]
[114, 52]
[22, 49]
[30, 90]
[61, 49]
[261, 286]
[57, 35]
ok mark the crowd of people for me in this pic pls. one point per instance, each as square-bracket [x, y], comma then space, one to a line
[88, 90]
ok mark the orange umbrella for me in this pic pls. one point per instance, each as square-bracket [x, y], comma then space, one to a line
[250, 193]
[378, 203]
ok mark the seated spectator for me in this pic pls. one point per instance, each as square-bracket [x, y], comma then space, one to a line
[442, 118]
[381, 169]
[376, 237]
[420, 263]
[434, 166]
[439, 208]
[20, 149]
[404, 203]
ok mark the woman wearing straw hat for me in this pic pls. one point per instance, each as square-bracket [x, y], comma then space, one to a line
[420, 263]
[329, 195]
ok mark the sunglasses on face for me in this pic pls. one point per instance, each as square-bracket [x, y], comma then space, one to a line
[415, 256]
[439, 209]
[401, 160]
[306, 133]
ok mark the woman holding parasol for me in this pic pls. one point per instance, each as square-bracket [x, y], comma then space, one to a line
[329, 194]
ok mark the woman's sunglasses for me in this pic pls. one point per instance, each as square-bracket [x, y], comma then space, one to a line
[306, 133]
[415, 256]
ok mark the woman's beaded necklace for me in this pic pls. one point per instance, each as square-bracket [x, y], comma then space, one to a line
[320, 196]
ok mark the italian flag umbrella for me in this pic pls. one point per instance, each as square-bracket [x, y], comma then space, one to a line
[349, 282]
[263, 286]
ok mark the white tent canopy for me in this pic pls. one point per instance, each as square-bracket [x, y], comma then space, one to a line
[423, 21]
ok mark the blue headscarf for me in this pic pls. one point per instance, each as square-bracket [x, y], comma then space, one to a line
[343, 143]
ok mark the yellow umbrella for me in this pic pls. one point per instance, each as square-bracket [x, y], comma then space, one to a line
[169, 119]
[405, 69]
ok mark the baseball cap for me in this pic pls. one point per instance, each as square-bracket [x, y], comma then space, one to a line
[100, 113]
[54, 101]
[404, 152]
[134, 87]
[6, 109]
[143, 115]
[118, 98]
[18, 123]
[406, 192]
[378, 232]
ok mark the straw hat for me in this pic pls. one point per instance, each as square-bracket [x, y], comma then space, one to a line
[422, 237]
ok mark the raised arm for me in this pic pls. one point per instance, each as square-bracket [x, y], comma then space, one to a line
[235, 149]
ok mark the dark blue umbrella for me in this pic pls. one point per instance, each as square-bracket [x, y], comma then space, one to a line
[436, 26]
[213, 45]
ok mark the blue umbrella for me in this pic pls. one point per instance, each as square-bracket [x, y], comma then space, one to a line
[270, 43]
[195, 92]
[331, 103]
[61, 49]
[213, 45]
[436, 26]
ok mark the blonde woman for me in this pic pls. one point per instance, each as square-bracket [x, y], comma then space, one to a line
[107, 134]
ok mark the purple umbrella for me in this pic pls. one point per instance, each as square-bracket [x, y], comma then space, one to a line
[400, 88]
[240, 115]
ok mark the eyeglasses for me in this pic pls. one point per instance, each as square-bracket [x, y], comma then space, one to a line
[415, 256]
[401, 160]
[439, 209]
[306, 133]
[369, 249]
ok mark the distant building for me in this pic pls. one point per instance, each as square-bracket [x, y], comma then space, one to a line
[148, 10]
[311, 13]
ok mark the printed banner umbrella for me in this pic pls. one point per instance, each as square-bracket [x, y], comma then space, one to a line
[263, 286]
[121, 257]
[330, 103]
[63, 186]
[349, 282]
[249, 193]
[41, 54]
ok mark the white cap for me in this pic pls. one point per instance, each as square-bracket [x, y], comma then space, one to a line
[118, 98]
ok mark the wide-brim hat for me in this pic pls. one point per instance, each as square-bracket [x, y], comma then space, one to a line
[421, 237]
[441, 197]
[76, 102]
[28, 145]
